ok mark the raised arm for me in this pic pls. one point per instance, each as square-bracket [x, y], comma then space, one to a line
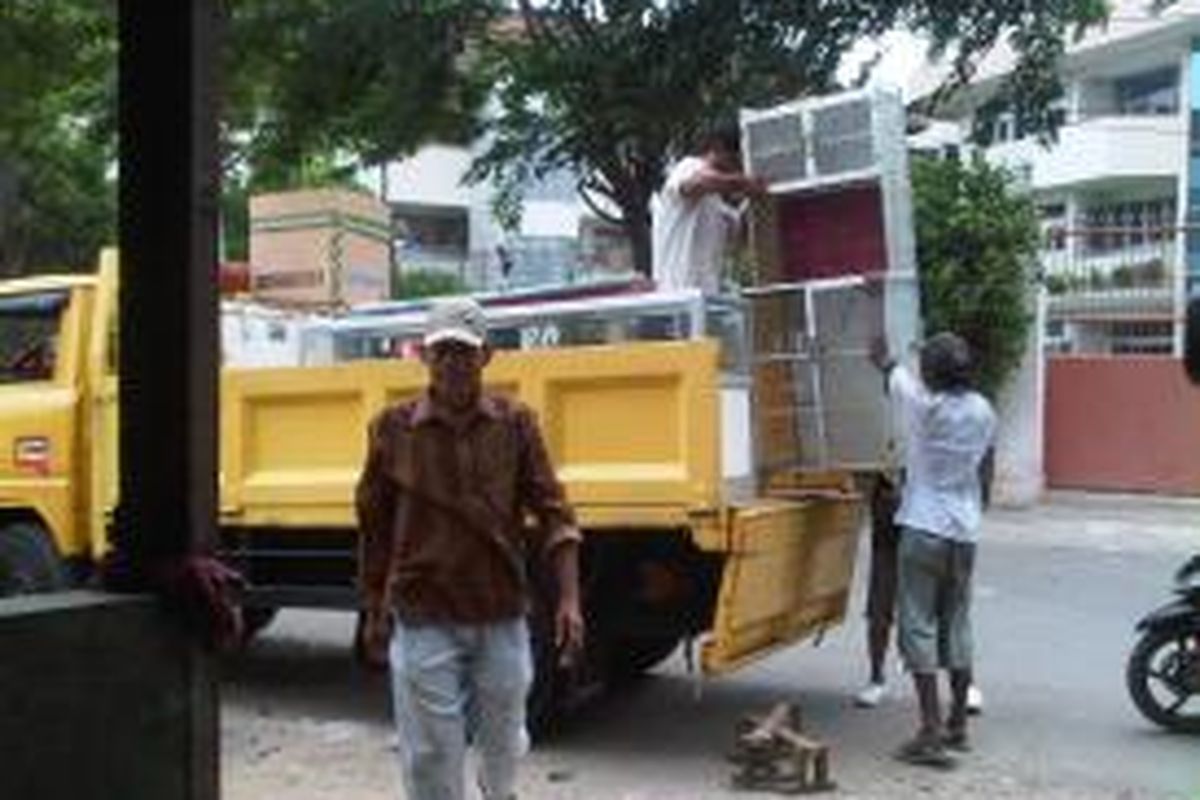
[908, 394]
[707, 180]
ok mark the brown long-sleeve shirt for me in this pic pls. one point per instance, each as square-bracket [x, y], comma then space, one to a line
[441, 511]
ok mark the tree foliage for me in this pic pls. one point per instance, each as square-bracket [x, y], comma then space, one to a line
[57, 195]
[612, 89]
[312, 91]
[367, 80]
[315, 90]
[977, 242]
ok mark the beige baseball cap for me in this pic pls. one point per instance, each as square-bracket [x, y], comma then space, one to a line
[458, 319]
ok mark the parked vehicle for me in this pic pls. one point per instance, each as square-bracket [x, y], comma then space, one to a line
[1163, 674]
[647, 416]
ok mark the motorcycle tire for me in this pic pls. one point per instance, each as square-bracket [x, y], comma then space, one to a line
[1139, 675]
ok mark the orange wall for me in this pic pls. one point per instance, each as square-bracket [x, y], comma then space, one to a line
[1122, 424]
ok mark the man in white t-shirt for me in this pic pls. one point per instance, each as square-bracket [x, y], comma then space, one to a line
[948, 429]
[884, 503]
[692, 219]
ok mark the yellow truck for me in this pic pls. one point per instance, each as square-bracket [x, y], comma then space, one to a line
[685, 539]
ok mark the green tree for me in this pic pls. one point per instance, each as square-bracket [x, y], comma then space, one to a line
[977, 241]
[608, 88]
[352, 82]
[611, 89]
[316, 90]
[57, 190]
[312, 91]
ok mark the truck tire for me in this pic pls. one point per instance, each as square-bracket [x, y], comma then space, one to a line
[29, 562]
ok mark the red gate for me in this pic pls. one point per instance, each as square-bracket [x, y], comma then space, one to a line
[1129, 423]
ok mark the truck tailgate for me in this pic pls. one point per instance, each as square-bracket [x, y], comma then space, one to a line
[787, 576]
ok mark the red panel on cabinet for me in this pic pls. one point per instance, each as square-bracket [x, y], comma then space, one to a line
[832, 234]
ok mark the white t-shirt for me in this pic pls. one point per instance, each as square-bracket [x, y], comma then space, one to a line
[946, 437]
[689, 234]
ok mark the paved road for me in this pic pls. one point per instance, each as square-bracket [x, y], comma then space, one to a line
[1059, 589]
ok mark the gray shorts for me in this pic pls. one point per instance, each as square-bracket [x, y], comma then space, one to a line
[935, 601]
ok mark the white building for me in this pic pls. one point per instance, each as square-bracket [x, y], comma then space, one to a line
[1113, 191]
[256, 335]
[442, 223]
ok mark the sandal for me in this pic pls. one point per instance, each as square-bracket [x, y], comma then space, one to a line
[925, 751]
[956, 739]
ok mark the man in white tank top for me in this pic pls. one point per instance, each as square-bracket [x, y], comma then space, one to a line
[693, 220]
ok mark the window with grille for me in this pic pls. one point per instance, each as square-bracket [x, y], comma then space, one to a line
[1141, 338]
[1117, 225]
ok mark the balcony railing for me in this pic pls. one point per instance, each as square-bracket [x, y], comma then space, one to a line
[1111, 273]
[1100, 149]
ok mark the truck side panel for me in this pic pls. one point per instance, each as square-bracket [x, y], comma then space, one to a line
[634, 427]
[634, 432]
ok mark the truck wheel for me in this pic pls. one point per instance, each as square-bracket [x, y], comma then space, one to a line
[29, 562]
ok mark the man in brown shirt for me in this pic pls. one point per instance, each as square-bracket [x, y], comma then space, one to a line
[442, 502]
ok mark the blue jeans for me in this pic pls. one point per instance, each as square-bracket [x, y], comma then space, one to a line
[459, 684]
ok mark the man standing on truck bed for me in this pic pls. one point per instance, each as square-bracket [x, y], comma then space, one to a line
[692, 221]
[441, 504]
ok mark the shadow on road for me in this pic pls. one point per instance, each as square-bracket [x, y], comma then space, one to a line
[288, 673]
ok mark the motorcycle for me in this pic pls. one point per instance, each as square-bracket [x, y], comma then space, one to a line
[1163, 672]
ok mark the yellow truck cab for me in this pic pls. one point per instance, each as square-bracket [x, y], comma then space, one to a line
[48, 371]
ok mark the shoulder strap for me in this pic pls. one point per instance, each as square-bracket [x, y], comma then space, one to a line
[474, 512]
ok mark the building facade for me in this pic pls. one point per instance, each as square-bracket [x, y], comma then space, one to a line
[444, 224]
[1118, 193]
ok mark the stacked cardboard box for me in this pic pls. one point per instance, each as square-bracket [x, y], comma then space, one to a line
[319, 248]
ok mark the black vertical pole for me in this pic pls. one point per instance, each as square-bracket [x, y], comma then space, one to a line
[168, 328]
[168, 314]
